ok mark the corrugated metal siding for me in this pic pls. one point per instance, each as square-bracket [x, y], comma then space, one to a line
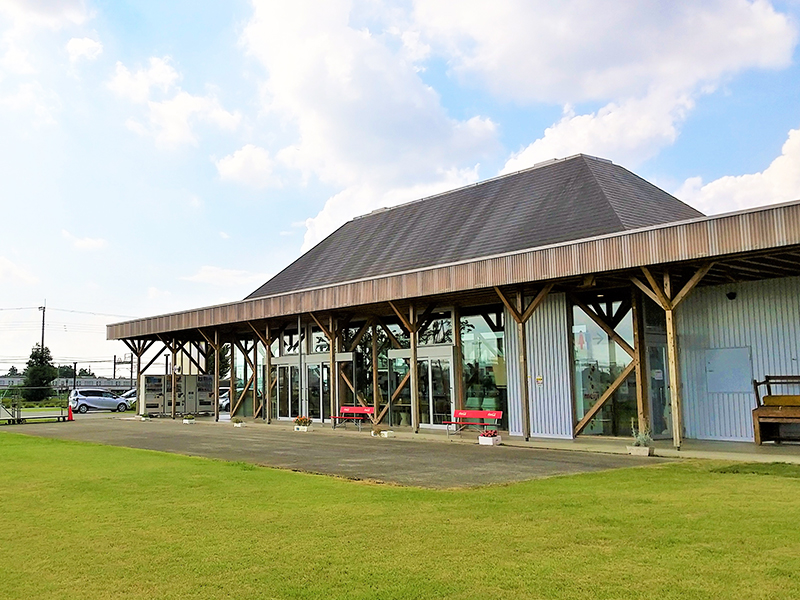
[548, 357]
[512, 375]
[765, 317]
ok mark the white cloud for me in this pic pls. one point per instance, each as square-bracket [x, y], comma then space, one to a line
[647, 62]
[11, 273]
[136, 86]
[226, 277]
[250, 165]
[31, 98]
[224, 235]
[169, 121]
[85, 243]
[627, 133]
[579, 50]
[780, 182]
[87, 48]
[366, 123]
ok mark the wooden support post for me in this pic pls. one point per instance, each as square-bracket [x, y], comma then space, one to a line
[375, 391]
[333, 379]
[642, 402]
[268, 376]
[414, 371]
[232, 384]
[139, 389]
[458, 359]
[674, 374]
[255, 379]
[523, 369]
[173, 349]
[216, 375]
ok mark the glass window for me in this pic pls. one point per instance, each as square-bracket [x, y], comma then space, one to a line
[484, 365]
[290, 343]
[319, 341]
[598, 361]
[438, 331]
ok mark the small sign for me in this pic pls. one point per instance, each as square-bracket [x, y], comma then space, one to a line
[539, 380]
[657, 375]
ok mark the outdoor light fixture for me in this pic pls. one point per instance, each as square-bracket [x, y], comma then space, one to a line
[731, 295]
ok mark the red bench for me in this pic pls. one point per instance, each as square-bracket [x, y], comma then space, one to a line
[353, 413]
[466, 418]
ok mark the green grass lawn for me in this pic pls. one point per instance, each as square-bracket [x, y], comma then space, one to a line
[86, 521]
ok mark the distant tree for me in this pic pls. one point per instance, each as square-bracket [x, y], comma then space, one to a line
[224, 362]
[82, 372]
[12, 372]
[39, 373]
[66, 371]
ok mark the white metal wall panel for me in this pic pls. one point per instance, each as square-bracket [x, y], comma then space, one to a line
[764, 317]
[548, 358]
[512, 375]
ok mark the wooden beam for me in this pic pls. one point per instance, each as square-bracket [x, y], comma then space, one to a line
[536, 302]
[333, 376]
[258, 334]
[401, 385]
[458, 359]
[268, 383]
[422, 323]
[244, 350]
[523, 372]
[663, 299]
[691, 284]
[642, 401]
[604, 326]
[325, 330]
[674, 380]
[216, 347]
[375, 391]
[604, 398]
[152, 360]
[242, 395]
[412, 366]
[348, 382]
[389, 334]
[650, 293]
[511, 308]
[403, 320]
[359, 335]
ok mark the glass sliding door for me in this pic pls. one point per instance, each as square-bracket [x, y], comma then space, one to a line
[435, 391]
[314, 392]
[283, 392]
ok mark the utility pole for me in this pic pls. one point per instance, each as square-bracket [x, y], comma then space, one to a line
[74, 375]
[42, 308]
[114, 376]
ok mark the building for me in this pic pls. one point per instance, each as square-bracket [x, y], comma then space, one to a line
[576, 297]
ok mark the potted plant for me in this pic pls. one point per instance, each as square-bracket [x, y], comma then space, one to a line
[642, 444]
[237, 422]
[302, 423]
[489, 437]
[188, 419]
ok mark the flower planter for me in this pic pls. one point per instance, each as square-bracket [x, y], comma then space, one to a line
[387, 434]
[188, 421]
[303, 428]
[640, 450]
[238, 424]
[489, 441]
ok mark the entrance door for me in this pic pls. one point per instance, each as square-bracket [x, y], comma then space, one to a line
[435, 391]
[317, 380]
[658, 390]
[288, 391]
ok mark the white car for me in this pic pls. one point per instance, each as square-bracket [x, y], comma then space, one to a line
[84, 399]
[129, 397]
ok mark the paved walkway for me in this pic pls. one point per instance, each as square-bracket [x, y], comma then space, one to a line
[422, 461]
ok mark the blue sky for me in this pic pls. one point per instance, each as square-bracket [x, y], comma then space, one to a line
[160, 156]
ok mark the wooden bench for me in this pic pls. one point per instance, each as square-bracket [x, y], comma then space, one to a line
[468, 418]
[353, 413]
[774, 410]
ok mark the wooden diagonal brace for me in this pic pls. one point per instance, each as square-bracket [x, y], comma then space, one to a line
[244, 391]
[536, 302]
[328, 334]
[690, 285]
[604, 326]
[604, 398]
[409, 328]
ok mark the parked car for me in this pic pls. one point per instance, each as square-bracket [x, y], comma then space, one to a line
[84, 399]
[129, 397]
[225, 399]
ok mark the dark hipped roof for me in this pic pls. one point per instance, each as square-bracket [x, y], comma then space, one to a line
[570, 199]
